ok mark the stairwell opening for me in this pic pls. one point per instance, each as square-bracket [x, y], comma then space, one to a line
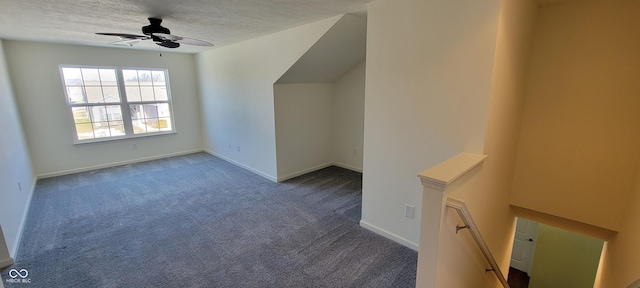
[548, 256]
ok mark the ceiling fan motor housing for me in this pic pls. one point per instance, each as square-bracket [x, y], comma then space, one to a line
[155, 27]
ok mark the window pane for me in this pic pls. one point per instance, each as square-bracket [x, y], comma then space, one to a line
[146, 118]
[137, 119]
[75, 95]
[94, 94]
[146, 93]
[163, 110]
[136, 112]
[90, 76]
[165, 124]
[161, 93]
[98, 113]
[72, 76]
[108, 77]
[81, 117]
[158, 78]
[84, 131]
[130, 77]
[152, 125]
[150, 85]
[117, 128]
[113, 112]
[101, 129]
[133, 94]
[144, 77]
[139, 127]
[111, 94]
[150, 110]
[81, 114]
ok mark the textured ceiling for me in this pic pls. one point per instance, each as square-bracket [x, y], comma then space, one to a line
[220, 22]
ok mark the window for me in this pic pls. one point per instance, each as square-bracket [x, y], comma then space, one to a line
[113, 103]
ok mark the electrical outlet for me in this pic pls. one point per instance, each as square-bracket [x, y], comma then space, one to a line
[409, 211]
[134, 145]
[238, 148]
[354, 152]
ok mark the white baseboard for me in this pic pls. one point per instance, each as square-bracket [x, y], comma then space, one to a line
[325, 165]
[265, 175]
[389, 235]
[13, 251]
[5, 263]
[305, 171]
[345, 166]
[113, 164]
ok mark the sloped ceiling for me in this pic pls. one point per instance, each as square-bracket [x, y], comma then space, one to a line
[334, 54]
[221, 22]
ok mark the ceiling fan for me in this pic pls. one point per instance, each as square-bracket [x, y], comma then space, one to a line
[159, 34]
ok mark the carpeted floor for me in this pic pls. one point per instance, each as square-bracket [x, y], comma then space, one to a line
[198, 221]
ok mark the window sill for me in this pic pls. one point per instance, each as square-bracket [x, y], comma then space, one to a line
[110, 139]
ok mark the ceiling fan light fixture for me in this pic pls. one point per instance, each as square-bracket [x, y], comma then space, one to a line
[168, 44]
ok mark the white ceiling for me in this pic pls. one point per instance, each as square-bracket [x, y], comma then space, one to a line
[339, 50]
[221, 22]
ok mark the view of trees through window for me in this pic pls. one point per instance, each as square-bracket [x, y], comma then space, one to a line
[99, 110]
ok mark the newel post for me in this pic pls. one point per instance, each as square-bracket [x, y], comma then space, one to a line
[437, 182]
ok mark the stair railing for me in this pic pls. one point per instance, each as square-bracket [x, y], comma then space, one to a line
[465, 215]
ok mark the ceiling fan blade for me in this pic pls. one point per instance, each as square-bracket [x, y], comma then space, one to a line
[126, 36]
[182, 40]
[126, 42]
[191, 41]
[169, 37]
[160, 35]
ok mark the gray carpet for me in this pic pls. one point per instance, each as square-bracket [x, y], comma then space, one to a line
[198, 221]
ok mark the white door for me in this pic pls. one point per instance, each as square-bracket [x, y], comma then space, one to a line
[524, 244]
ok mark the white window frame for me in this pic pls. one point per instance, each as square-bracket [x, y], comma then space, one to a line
[124, 104]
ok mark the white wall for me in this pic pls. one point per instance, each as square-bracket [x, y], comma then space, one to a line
[564, 259]
[428, 79]
[617, 269]
[304, 127]
[15, 166]
[34, 69]
[237, 102]
[486, 193]
[348, 118]
[490, 201]
[320, 124]
[578, 150]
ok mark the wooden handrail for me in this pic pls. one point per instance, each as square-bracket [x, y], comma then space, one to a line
[465, 215]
